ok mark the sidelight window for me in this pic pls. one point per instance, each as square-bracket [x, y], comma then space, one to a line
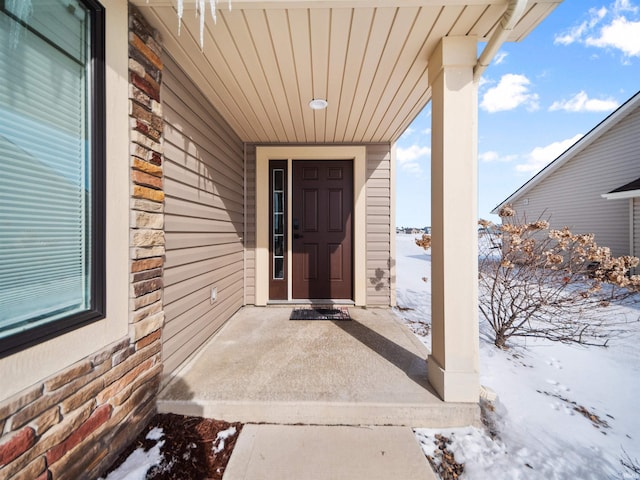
[278, 224]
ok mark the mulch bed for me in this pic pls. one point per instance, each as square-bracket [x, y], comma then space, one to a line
[189, 449]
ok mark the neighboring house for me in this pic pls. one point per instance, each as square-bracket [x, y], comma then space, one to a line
[630, 193]
[189, 163]
[587, 187]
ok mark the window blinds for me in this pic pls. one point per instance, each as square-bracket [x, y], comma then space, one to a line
[44, 177]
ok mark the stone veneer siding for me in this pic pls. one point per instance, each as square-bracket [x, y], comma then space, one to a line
[73, 424]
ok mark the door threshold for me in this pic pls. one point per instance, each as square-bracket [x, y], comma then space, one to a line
[319, 301]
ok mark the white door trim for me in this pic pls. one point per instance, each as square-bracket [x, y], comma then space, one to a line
[358, 154]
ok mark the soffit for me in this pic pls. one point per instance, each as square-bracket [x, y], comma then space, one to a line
[262, 62]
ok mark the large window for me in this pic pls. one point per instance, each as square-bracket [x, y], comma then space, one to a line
[51, 168]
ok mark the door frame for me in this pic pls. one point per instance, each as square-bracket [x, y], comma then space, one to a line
[358, 155]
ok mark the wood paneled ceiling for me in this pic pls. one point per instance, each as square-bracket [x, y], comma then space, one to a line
[262, 62]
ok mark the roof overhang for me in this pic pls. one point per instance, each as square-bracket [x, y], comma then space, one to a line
[628, 190]
[263, 61]
[621, 195]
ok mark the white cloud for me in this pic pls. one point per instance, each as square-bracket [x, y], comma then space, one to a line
[482, 82]
[409, 131]
[413, 134]
[412, 153]
[620, 34]
[577, 32]
[408, 158]
[492, 156]
[616, 27]
[412, 168]
[574, 34]
[597, 15]
[581, 102]
[499, 58]
[541, 156]
[624, 6]
[511, 92]
[488, 156]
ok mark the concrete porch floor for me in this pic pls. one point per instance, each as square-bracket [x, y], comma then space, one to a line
[261, 367]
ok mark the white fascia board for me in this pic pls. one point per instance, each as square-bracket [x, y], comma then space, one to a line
[621, 195]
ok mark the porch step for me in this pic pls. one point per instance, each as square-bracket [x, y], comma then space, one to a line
[440, 415]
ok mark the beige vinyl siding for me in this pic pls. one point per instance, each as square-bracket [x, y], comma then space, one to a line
[250, 234]
[204, 218]
[571, 195]
[636, 230]
[379, 228]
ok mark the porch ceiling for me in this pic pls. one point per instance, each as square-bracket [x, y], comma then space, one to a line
[265, 60]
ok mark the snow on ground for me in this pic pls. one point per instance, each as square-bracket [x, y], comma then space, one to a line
[542, 389]
[546, 392]
[221, 437]
[137, 464]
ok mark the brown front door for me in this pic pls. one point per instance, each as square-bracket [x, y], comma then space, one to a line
[322, 229]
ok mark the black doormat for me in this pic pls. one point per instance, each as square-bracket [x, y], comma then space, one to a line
[320, 313]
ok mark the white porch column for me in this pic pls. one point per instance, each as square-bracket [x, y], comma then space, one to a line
[453, 363]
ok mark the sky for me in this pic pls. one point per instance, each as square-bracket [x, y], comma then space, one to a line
[536, 99]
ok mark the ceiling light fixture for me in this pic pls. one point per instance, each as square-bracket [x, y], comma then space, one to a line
[318, 104]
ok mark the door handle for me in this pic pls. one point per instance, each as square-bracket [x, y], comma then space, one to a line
[297, 235]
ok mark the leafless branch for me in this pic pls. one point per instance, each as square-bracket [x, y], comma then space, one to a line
[549, 284]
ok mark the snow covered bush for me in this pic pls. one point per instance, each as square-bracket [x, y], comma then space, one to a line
[545, 283]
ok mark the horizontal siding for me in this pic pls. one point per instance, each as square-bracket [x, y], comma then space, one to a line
[571, 196]
[173, 240]
[636, 231]
[250, 234]
[194, 299]
[204, 218]
[379, 228]
[203, 329]
[636, 227]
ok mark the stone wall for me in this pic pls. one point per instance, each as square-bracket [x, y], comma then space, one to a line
[147, 204]
[73, 424]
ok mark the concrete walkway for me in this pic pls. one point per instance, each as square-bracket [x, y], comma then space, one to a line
[321, 400]
[263, 368]
[280, 452]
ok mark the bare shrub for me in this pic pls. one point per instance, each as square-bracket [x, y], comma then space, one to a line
[548, 283]
[424, 242]
[631, 465]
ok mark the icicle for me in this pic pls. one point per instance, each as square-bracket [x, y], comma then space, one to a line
[212, 4]
[200, 10]
[200, 15]
[180, 12]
